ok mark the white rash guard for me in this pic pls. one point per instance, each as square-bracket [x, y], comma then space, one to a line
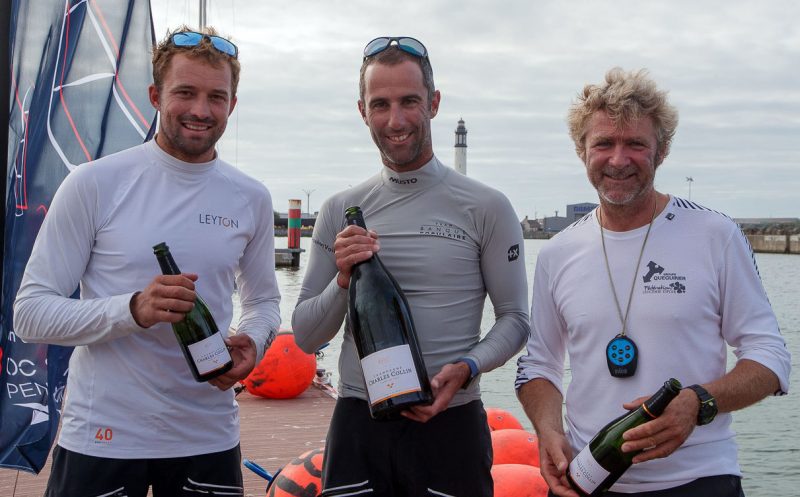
[130, 393]
[448, 240]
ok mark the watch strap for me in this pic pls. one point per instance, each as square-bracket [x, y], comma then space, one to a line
[473, 370]
[708, 405]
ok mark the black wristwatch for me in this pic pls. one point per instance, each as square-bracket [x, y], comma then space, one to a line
[708, 405]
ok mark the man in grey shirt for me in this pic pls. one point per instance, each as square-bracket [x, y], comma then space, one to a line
[448, 240]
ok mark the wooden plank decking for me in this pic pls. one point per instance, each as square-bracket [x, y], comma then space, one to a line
[273, 432]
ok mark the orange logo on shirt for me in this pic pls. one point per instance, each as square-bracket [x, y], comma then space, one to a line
[104, 435]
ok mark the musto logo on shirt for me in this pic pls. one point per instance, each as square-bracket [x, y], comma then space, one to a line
[444, 230]
[658, 280]
[409, 181]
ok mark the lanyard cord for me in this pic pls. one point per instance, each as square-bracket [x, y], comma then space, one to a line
[624, 319]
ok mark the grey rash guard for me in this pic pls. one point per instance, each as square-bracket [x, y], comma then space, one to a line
[448, 240]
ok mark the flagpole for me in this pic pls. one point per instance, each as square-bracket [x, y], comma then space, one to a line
[5, 94]
[203, 15]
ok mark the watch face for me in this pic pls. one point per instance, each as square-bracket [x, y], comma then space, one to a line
[708, 405]
[708, 410]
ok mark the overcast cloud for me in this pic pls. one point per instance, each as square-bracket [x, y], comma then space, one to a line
[511, 69]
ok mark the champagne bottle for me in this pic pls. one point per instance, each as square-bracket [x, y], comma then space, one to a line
[602, 462]
[384, 334]
[201, 341]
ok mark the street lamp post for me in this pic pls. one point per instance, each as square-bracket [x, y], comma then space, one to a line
[690, 181]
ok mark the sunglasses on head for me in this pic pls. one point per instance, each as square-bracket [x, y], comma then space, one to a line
[192, 39]
[405, 43]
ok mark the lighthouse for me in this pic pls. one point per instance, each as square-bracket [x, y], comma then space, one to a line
[460, 164]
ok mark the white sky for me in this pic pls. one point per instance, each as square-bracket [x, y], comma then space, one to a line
[511, 69]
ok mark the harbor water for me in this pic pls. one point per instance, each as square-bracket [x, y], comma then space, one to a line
[767, 433]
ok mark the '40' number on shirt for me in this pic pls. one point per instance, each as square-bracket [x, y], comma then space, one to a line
[104, 434]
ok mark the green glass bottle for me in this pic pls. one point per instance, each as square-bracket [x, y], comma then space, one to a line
[602, 462]
[201, 341]
[380, 319]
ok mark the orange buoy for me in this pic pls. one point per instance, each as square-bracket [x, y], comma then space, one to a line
[518, 480]
[500, 419]
[300, 478]
[285, 371]
[515, 447]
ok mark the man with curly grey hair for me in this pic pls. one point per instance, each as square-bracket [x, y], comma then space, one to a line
[646, 287]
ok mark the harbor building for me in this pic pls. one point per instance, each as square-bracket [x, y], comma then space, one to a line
[550, 225]
[556, 223]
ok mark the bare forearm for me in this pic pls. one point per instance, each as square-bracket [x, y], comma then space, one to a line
[542, 403]
[744, 385]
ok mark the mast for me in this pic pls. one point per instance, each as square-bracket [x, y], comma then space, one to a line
[203, 15]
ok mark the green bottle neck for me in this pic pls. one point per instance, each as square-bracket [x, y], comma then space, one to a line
[167, 263]
[655, 405]
[354, 216]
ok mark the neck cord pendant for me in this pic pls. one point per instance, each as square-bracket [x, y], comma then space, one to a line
[622, 355]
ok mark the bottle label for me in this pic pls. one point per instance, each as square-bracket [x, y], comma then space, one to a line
[210, 353]
[586, 472]
[389, 373]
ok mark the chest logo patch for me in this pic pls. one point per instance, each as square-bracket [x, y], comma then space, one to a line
[658, 280]
[215, 220]
[443, 230]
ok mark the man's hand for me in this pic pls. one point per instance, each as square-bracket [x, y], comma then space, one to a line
[444, 386]
[663, 435]
[353, 245]
[542, 403]
[243, 353]
[555, 455]
[166, 299]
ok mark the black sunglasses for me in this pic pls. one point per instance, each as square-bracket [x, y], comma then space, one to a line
[192, 39]
[405, 43]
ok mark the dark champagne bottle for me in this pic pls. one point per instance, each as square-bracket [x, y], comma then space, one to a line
[383, 329]
[200, 340]
[602, 462]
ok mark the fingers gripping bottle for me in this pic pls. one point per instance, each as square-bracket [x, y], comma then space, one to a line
[385, 338]
[201, 341]
[602, 462]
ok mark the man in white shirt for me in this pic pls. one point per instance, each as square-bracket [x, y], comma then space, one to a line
[646, 287]
[134, 416]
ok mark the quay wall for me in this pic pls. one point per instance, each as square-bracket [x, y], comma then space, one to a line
[304, 232]
[772, 244]
[775, 244]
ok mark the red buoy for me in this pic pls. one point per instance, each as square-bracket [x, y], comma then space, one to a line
[515, 447]
[285, 371]
[518, 480]
[300, 478]
[500, 419]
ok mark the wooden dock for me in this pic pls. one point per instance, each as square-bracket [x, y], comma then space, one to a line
[288, 257]
[273, 432]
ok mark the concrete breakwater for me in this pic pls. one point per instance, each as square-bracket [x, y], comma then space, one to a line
[775, 244]
[768, 244]
[772, 235]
